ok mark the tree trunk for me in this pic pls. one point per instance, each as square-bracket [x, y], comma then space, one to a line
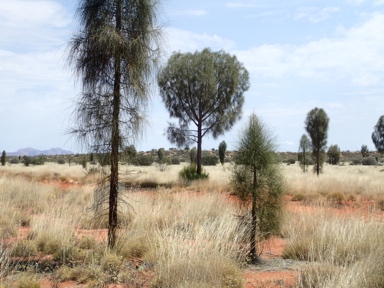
[115, 141]
[254, 257]
[199, 144]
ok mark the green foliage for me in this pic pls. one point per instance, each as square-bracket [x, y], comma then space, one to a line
[14, 160]
[61, 161]
[222, 150]
[204, 90]
[27, 160]
[316, 125]
[364, 150]
[378, 135]
[209, 160]
[175, 160]
[355, 161]
[189, 173]
[369, 161]
[40, 160]
[193, 155]
[304, 148]
[84, 162]
[143, 160]
[3, 158]
[161, 154]
[290, 161]
[256, 177]
[333, 155]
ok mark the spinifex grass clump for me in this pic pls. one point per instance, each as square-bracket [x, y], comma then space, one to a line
[345, 251]
[189, 173]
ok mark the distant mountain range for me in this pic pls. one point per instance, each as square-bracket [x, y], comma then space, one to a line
[29, 151]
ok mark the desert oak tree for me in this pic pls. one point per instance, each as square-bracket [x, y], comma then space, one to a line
[115, 54]
[304, 148]
[204, 90]
[378, 135]
[256, 177]
[222, 150]
[316, 125]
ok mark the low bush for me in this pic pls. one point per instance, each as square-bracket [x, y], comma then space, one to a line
[369, 161]
[14, 161]
[209, 160]
[61, 161]
[189, 173]
[143, 160]
[355, 161]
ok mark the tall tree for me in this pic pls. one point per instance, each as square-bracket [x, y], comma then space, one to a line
[222, 150]
[114, 54]
[205, 90]
[256, 178]
[304, 148]
[3, 159]
[364, 150]
[378, 135]
[316, 125]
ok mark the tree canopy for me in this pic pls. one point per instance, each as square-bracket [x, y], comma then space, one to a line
[205, 92]
[316, 125]
[378, 135]
[304, 148]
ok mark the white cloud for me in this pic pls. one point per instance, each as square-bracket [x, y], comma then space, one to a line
[314, 14]
[357, 55]
[27, 25]
[182, 40]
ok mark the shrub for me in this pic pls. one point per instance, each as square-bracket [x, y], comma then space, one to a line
[369, 161]
[209, 160]
[355, 161]
[27, 160]
[14, 161]
[38, 160]
[175, 160]
[61, 161]
[143, 160]
[189, 173]
[290, 161]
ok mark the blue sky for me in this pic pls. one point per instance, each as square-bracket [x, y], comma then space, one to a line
[300, 55]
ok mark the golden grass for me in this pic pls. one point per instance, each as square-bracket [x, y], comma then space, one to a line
[189, 235]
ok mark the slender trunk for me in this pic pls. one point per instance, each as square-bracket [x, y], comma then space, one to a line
[304, 159]
[199, 144]
[254, 257]
[115, 141]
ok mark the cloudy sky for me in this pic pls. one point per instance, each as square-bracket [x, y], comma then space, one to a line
[300, 55]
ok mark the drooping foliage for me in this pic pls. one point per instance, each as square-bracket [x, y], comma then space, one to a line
[114, 54]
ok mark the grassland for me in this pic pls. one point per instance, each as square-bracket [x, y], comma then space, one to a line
[178, 235]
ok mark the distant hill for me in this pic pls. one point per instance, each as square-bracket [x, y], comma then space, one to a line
[29, 151]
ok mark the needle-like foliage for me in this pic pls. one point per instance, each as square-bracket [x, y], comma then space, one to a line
[114, 54]
[257, 179]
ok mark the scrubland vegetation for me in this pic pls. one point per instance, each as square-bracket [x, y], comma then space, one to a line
[184, 234]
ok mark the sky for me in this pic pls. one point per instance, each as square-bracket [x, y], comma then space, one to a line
[299, 54]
